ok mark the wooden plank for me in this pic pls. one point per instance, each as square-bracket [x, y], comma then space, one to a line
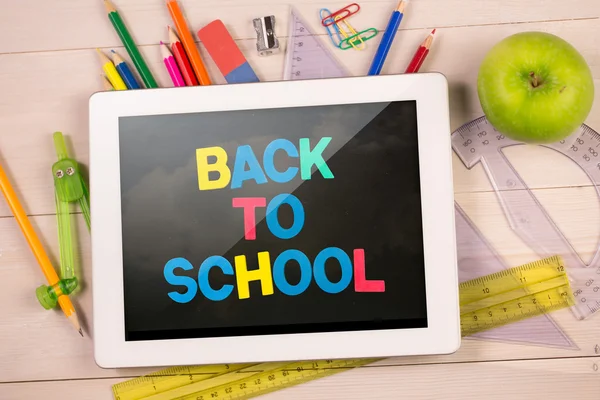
[83, 24]
[27, 152]
[543, 379]
[62, 354]
[515, 380]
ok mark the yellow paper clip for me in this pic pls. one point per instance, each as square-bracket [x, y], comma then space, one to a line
[351, 37]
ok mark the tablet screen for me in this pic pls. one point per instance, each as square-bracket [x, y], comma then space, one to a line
[273, 221]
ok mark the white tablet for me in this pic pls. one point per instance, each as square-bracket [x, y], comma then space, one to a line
[273, 221]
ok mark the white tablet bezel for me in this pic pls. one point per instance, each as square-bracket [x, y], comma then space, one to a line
[442, 335]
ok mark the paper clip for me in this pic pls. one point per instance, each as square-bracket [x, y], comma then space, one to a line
[332, 30]
[356, 39]
[352, 38]
[343, 13]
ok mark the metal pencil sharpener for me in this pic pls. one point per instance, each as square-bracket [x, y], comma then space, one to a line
[266, 40]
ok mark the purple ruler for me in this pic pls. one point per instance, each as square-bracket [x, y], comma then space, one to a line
[306, 56]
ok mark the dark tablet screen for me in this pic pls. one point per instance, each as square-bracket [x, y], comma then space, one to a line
[274, 221]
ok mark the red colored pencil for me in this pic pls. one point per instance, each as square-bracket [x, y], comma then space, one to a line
[182, 60]
[420, 55]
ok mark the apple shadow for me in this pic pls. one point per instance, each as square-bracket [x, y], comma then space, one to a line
[460, 104]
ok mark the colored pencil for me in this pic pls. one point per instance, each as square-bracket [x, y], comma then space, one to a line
[125, 72]
[106, 83]
[130, 45]
[111, 72]
[420, 54]
[171, 66]
[36, 247]
[188, 42]
[387, 39]
[182, 60]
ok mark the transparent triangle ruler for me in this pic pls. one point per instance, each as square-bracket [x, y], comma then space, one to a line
[478, 141]
[307, 57]
[476, 257]
[545, 331]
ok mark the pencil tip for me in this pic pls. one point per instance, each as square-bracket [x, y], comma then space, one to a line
[433, 32]
[113, 51]
[80, 331]
[161, 42]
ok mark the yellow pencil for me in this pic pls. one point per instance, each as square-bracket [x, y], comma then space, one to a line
[111, 72]
[36, 247]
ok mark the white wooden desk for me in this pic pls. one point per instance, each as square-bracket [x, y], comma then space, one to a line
[48, 69]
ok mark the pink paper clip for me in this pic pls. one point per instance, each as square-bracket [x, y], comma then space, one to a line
[342, 14]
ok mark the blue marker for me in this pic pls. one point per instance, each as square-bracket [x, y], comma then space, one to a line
[125, 72]
[387, 39]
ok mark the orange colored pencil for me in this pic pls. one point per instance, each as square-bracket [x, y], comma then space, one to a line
[36, 247]
[188, 42]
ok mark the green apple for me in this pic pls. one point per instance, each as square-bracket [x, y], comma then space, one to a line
[535, 87]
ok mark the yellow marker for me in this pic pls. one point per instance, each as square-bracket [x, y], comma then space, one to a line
[111, 72]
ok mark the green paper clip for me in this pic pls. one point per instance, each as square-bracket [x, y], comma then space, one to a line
[69, 187]
[357, 39]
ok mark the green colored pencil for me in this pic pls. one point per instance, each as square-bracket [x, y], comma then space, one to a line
[130, 46]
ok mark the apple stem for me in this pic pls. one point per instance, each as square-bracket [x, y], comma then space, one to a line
[534, 79]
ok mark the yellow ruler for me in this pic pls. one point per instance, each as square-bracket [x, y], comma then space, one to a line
[228, 381]
[487, 302]
[513, 295]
